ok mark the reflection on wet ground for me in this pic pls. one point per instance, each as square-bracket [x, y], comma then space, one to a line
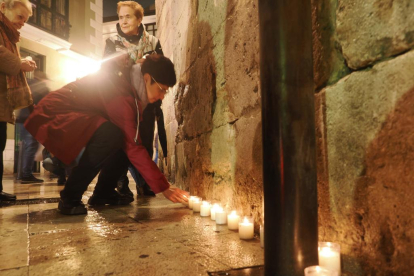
[151, 236]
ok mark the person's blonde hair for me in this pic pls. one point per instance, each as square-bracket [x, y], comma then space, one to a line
[138, 9]
[10, 4]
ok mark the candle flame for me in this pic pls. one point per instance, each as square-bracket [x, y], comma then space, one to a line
[246, 220]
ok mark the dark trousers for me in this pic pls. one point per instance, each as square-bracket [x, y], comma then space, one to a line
[102, 153]
[3, 139]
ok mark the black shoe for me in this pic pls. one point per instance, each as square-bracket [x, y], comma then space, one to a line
[31, 179]
[7, 197]
[147, 190]
[61, 180]
[114, 199]
[74, 207]
[123, 189]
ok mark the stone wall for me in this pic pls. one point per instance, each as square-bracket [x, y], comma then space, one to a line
[213, 116]
[364, 94]
[364, 78]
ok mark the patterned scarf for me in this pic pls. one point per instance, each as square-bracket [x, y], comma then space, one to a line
[18, 92]
[136, 52]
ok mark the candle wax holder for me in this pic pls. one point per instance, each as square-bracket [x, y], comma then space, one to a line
[319, 271]
[221, 216]
[233, 221]
[246, 228]
[190, 201]
[330, 256]
[213, 211]
[205, 209]
[196, 204]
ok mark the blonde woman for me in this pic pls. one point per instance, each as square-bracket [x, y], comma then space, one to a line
[131, 35]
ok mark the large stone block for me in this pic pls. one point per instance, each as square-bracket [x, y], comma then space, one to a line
[372, 30]
[329, 64]
[242, 57]
[368, 137]
[248, 178]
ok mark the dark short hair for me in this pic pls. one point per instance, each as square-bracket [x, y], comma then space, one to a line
[160, 68]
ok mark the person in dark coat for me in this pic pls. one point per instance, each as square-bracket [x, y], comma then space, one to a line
[132, 38]
[94, 122]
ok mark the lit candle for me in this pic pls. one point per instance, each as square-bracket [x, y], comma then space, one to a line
[246, 229]
[319, 271]
[190, 202]
[233, 220]
[221, 216]
[262, 235]
[205, 209]
[213, 211]
[196, 204]
[330, 256]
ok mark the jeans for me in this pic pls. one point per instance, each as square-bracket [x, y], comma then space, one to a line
[139, 180]
[29, 148]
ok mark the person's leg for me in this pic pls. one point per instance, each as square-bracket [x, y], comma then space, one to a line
[30, 147]
[3, 138]
[142, 186]
[123, 183]
[111, 171]
[105, 142]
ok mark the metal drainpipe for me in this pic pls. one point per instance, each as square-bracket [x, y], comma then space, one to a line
[289, 156]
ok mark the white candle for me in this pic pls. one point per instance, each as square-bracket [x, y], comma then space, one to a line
[221, 216]
[233, 220]
[205, 209]
[213, 211]
[246, 229]
[330, 256]
[196, 204]
[262, 235]
[319, 271]
[190, 202]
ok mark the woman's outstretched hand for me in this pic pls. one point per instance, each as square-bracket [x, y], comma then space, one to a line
[176, 195]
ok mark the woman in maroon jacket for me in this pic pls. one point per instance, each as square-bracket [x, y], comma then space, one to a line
[94, 122]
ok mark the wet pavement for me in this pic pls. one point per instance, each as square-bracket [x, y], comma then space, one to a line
[151, 236]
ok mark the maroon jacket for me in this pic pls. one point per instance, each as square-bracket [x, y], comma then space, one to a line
[66, 119]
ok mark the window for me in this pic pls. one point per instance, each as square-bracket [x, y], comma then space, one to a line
[151, 28]
[51, 16]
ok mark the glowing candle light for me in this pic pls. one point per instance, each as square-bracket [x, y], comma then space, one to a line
[319, 271]
[233, 220]
[205, 209]
[246, 229]
[330, 256]
[213, 211]
[221, 216]
[196, 204]
[190, 201]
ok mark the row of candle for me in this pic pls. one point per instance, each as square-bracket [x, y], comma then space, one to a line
[329, 260]
[218, 214]
[328, 253]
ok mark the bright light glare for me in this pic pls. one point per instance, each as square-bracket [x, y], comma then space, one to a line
[78, 67]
